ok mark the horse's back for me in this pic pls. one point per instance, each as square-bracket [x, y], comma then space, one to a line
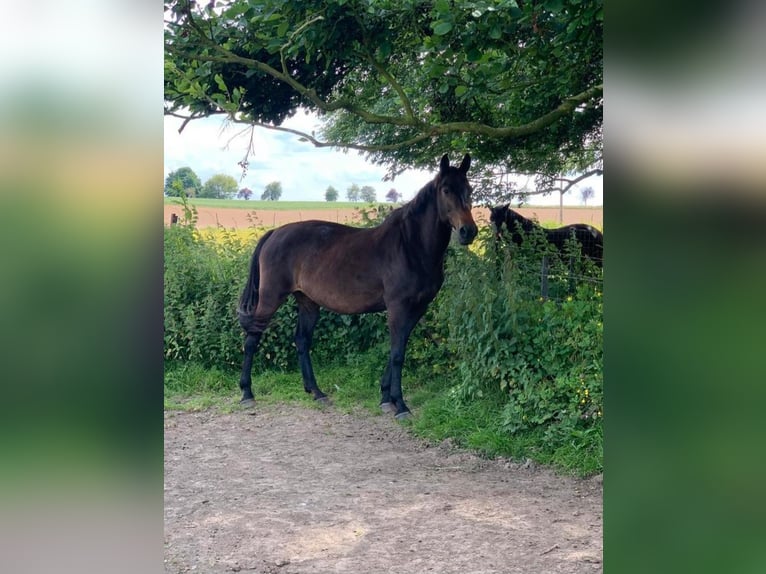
[337, 266]
[591, 239]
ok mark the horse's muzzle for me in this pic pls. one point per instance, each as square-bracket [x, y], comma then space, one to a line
[467, 233]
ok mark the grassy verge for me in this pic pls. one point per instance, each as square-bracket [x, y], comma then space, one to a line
[439, 415]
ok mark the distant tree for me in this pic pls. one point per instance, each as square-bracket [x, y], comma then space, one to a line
[367, 193]
[331, 194]
[393, 196]
[219, 186]
[245, 193]
[352, 193]
[182, 180]
[273, 191]
[586, 193]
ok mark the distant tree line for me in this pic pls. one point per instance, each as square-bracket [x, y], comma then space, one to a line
[220, 186]
[185, 181]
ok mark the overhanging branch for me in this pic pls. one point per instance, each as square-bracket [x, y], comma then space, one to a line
[409, 119]
[336, 144]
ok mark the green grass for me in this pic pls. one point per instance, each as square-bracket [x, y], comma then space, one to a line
[439, 415]
[270, 205]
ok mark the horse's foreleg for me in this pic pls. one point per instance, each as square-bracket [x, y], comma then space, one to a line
[385, 390]
[396, 361]
[308, 314]
[400, 325]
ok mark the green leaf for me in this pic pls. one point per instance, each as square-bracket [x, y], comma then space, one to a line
[442, 28]
[473, 54]
[282, 29]
[385, 49]
[460, 90]
[554, 5]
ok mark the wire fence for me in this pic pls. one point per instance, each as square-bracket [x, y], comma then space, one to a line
[552, 276]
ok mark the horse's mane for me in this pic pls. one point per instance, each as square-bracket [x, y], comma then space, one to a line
[415, 206]
[512, 215]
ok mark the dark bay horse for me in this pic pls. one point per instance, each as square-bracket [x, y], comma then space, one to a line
[590, 238]
[397, 266]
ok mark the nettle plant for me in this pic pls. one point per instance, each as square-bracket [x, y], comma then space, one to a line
[545, 355]
[489, 333]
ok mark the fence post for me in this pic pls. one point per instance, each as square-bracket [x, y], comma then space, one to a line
[544, 278]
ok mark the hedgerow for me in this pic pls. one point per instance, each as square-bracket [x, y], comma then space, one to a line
[488, 333]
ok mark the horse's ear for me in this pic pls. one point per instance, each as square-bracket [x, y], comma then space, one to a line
[444, 163]
[466, 163]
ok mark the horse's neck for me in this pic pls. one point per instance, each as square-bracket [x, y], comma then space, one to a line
[430, 232]
[526, 224]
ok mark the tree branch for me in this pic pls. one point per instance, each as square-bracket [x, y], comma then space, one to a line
[318, 143]
[395, 85]
[586, 175]
[190, 117]
[566, 107]
[219, 54]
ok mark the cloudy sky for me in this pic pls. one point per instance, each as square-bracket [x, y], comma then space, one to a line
[212, 145]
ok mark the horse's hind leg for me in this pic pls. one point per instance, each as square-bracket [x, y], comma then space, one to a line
[252, 340]
[254, 327]
[308, 314]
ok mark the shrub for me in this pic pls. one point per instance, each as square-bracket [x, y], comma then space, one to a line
[488, 333]
[545, 355]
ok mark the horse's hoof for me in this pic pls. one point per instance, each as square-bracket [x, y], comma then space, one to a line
[403, 416]
[247, 403]
[388, 407]
[323, 401]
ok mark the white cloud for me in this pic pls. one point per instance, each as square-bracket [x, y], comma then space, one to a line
[212, 145]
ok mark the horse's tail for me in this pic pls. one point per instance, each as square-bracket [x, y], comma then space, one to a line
[248, 301]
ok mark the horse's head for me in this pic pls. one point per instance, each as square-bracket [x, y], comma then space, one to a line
[453, 196]
[497, 217]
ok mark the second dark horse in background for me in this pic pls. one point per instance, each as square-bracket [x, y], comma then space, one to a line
[503, 218]
[397, 266]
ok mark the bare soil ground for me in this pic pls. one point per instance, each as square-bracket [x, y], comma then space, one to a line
[294, 490]
[243, 218]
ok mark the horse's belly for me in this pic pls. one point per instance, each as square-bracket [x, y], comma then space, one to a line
[350, 303]
[345, 296]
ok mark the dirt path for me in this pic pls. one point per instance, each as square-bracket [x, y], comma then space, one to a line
[295, 490]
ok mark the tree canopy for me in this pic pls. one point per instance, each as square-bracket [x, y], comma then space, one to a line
[586, 193]
[517, 83]
[392, 195]
[272, 191]
[352, 193]
[367, 193]
[219, 186]
[245, 193]
[182, 180]
[331, 194]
